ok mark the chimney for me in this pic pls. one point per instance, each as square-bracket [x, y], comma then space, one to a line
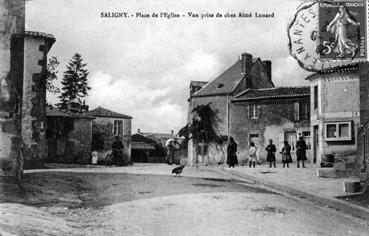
[246, 63]
[138, 131]
[172, 132]
[268, 68]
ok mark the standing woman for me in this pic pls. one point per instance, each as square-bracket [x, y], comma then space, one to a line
[271, 149]
[231, 153]
[301, 152]
[286, 154]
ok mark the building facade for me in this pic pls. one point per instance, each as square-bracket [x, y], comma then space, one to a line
[34, 121]
[246, 73]
[280, 114]
[69, 136]
[335, 113]
[119, 124]
[23, 91]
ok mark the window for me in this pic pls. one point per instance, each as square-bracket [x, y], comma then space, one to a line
[254, 136]
[254, 112]
[118, 127]
[316, 97]
[305, 111]
[305, 133]
[307, 138]
[339, 131]
[296, 111]
[200, 149]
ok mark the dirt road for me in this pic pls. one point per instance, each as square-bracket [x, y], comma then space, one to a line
[122, 202]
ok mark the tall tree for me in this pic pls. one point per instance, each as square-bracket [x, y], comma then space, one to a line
[52, 75]
[74, 80]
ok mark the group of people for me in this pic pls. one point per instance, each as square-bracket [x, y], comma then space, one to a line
[271, 149]
[116, 157]
[172, 146]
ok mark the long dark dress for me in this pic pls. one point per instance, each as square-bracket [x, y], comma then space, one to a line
[271, 149]
[118, 147]
[231, 154]
[301, 150]
[286, 154]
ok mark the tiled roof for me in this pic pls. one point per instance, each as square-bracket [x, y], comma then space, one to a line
[50, 39]
[197, 83]
[163, 136]
[339, 69]
[39, 34]
[141, 146]
[56, 112]
[102, 112]
[224, 83]
[158, 135]
[143, 138]
[272, 93]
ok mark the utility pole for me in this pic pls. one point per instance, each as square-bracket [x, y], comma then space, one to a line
[12, 20]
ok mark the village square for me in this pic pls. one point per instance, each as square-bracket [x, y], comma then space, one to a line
[252, 152]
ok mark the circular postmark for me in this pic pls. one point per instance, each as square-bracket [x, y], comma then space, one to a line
[323, 35]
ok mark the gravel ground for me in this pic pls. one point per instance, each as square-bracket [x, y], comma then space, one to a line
[72, 203]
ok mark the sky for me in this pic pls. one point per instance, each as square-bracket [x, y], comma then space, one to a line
[142, 67]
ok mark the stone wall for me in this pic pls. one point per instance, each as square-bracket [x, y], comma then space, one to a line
[34, 122]
[363, 141]
[12, 21]
[79, 141]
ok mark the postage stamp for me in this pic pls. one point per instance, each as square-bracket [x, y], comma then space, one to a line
[326, 34]
[342, 30]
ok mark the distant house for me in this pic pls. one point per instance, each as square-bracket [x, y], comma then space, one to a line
[281, 114]
[108, 124]
[162, 137]
[145, 149]
[69, 136]
[157, 140]
[141, 151]
[245, 73]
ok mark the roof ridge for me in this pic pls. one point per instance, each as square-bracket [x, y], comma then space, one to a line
[282, 87]
[211, 81]
[242, 92]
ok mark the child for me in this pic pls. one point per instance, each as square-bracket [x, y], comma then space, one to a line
[252, 154]
[94, 157]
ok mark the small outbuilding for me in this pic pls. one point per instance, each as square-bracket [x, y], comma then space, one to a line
[108, 124]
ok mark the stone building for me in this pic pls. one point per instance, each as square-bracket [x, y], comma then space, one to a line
[69, 136]
[34, 123]
[111, 123]
[281, 114]
[23, 90]
[335, 113]
[245, 73]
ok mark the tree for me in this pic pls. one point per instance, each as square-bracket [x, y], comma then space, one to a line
[51, 75]
[74, 80]
[204, 129]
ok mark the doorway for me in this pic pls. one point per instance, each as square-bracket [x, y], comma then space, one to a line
[315, 142]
